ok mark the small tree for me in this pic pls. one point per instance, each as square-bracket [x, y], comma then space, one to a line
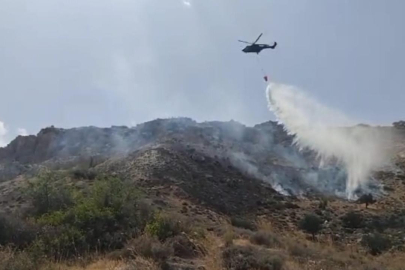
[311, 224]
[366, 199]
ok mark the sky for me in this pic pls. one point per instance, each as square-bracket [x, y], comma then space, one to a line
[123, 62]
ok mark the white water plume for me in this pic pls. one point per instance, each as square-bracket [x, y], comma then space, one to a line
[331, 134]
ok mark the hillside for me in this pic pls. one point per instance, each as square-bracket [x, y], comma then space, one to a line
[245, 189]
[263, 151]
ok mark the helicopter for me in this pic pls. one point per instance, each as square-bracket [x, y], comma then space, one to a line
[257, 48]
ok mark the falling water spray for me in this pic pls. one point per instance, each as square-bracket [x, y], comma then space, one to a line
[331, 134]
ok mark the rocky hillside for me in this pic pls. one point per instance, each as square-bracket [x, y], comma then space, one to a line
[263, 152]
[238, 186]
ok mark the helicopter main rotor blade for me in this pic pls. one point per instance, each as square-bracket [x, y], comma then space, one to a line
[244, 42]
[258, 38]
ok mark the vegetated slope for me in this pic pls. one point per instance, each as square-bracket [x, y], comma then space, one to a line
[215, 174]
[225, 164]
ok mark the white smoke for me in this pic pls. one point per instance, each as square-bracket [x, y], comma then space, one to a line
[360, 149]
[3, 133]
[22, 132]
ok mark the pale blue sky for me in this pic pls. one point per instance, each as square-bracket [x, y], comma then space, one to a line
[81, 62]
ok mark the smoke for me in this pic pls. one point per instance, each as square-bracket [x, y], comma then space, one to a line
[3, 133]
[22, 132]
[332, 135]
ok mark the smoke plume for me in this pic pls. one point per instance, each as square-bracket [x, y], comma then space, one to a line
[22, 132]
[3, 133]
[332, 135]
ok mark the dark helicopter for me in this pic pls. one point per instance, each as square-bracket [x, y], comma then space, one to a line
[257, 48]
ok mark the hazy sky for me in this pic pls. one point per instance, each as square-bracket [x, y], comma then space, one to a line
[80, 62]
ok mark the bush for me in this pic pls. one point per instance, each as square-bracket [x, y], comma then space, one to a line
[311, 224]
[376, 243]
[17, 261]
[248, 257]
[149, 247]
[48, 194]
[243, 223]
[104, 218]
[15, 232]
[164, 227]
[382, 222]
[353, 220]
[377, 223]
[265, 239]
[145, 212]
[60, 242]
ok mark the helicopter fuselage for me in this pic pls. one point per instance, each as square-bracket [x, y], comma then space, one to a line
[257, 48]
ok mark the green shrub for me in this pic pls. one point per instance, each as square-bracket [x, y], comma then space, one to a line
[376, 243]
[311, 224]
[248, 257]
[60, 242]
[243, 223]
[164, 227]
[103, 218]
[49, 194]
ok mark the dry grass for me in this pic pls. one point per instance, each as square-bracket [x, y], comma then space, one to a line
[266, 225]
[296, 250]
[98, 265]
[141, 263]
[12, 260]
[103, 264]
[229, 237]
[301, 253]
[213, 245]
[137, 263]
